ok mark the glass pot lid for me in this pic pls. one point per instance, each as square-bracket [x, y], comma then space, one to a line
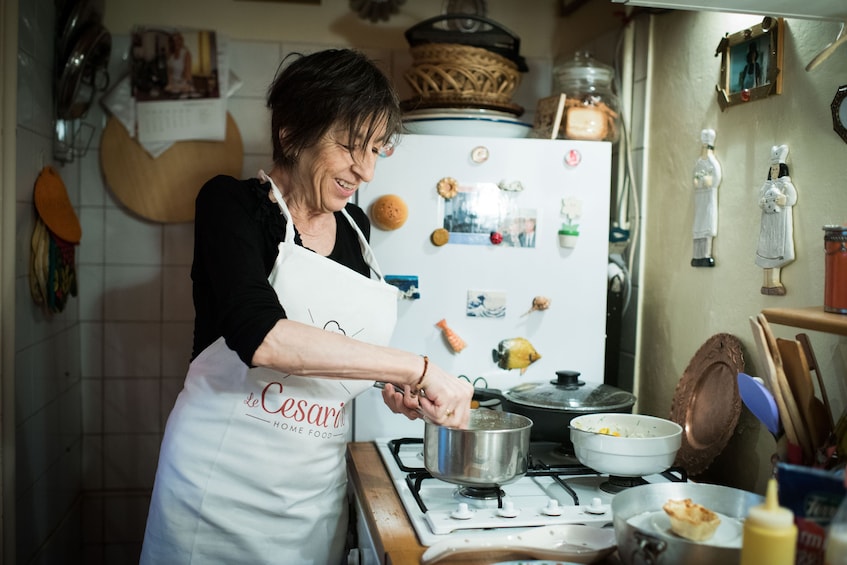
[570, 394]
[583, 72]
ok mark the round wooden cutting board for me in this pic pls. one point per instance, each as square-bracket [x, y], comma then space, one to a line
[163, 189]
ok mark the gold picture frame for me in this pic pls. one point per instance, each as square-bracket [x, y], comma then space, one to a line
[751, 63]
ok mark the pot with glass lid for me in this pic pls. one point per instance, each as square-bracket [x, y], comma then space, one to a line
[552, 405]
[592, 110]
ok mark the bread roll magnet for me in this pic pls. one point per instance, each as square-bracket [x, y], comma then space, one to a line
[389, 212]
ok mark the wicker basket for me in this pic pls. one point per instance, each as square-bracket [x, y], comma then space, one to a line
[452, 74]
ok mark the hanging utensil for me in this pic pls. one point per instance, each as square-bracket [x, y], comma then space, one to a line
[84, 74]
[769, 370]
[800, 430]
[761, 402]
[829, 49]
[814, 366]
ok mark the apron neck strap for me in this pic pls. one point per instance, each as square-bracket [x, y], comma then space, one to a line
[367, 252]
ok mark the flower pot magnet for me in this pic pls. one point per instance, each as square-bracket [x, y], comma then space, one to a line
[568, 236]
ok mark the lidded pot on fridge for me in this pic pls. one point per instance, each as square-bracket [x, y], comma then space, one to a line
[592, 110]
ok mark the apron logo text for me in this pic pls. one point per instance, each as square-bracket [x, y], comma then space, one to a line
[316, 414]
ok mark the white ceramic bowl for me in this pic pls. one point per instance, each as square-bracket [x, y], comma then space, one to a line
[645, 444]
[482, 125]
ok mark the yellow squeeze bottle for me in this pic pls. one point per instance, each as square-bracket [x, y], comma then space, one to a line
[770, 535]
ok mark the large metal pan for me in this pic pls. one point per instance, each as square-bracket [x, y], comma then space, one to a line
[492, 451]
[644, 534]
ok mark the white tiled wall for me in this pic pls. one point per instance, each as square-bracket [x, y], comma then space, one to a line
[48, 385]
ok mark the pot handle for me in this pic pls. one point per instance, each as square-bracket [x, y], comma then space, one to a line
[648, 548]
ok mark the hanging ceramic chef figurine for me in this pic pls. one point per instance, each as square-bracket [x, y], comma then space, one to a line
[707, 177]
[776, 235]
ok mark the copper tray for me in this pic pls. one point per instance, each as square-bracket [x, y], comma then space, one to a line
[707, 403]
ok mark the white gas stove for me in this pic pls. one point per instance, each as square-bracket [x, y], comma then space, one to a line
[556, 489]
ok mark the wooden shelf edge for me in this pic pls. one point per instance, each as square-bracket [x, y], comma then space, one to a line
[810, 318]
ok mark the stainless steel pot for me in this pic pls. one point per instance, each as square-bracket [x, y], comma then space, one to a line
[552, 405]
[644, 536]
[492, 451]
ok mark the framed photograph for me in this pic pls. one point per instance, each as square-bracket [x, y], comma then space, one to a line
[751, 63]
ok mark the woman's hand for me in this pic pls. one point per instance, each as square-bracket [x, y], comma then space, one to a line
[445, 399]
[401, 400]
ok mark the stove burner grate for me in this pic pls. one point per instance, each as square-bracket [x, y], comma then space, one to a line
[483, 493]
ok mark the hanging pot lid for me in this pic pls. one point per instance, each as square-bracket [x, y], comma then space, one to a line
[569, 393]
[80, 15]
[85, 73]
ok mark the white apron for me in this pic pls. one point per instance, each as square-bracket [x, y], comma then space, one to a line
[252, 466]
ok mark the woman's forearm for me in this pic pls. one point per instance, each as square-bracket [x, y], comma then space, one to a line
[301, 349]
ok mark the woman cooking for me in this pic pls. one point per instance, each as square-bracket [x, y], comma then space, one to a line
[289, 328]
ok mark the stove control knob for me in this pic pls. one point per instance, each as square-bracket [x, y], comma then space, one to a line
[596, 506]
[462, 512]
[508, 510]
[553, 508]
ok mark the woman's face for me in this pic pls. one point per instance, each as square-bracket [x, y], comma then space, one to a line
[329, 173]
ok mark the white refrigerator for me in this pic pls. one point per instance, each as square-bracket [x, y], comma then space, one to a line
[504, 203]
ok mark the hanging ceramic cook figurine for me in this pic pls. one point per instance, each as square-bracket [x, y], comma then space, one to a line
[777, 197]
[456, 343]
[707, 177]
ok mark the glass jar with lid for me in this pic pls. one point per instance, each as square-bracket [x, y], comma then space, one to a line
[592, 110]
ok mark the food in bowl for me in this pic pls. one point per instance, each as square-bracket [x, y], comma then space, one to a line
[625, 445]
[691, 520]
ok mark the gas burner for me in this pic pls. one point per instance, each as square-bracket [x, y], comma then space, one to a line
[617, 484]
[553, 454]
[481, 493]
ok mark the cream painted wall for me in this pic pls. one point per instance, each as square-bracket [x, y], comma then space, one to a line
[683, 306]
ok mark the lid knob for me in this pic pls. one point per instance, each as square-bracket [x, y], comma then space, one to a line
[568, 379]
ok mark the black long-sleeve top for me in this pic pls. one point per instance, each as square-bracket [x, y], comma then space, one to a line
[237, 230]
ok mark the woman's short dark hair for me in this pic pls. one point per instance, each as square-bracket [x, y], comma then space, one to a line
[322, 90]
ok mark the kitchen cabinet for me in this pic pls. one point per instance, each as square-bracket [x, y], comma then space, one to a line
[385, 518]
[811, 318]
[816, 10]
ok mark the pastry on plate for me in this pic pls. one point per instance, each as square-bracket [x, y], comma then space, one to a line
[690, 520]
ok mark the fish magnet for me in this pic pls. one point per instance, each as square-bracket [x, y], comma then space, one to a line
[515, 353]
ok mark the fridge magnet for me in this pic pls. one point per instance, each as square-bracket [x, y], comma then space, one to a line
[569, 232]
[573, 158]
[515, 353]
[777, 197]
[707, 177]
[456, 343]
[486, 304]
[479, 154]
[447, 187]
[473, 213]
[389, 212]
[517, 229]
[751, 63]
[439, 237]
[510, 186]
[407, 284]
[539, 303]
